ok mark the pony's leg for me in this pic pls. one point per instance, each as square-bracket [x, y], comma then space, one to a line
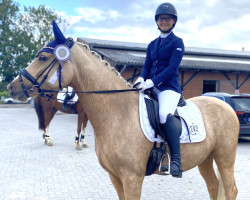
[79, 128]
[207, 172]
[132, 186]
[129, 188]
[225, 165]
[118, 186]
[49, 113]
[84, 125]
[46, 137]
[84, 144]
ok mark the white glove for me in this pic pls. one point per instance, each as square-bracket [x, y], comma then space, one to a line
[139, 80]
[146, 85]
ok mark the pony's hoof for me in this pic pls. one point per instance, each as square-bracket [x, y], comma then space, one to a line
[84, 146]
[48, 143]
[78, 148]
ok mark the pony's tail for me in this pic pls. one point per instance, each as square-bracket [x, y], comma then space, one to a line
[40, 113]
[221, 191]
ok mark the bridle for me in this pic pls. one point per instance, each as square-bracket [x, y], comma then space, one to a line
[69, 42]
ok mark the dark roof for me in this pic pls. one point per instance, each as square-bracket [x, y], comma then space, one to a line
[121, 57]
[133, 54]
[222, 94]
[215, 63]
[109, 44]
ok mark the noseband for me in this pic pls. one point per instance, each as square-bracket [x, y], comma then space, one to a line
[69, 42]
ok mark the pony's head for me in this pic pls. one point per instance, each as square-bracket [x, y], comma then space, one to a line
[47, 70]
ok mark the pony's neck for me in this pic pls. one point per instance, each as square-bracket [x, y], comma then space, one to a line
[92, 75]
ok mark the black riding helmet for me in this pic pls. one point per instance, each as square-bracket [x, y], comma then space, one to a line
[166, 9]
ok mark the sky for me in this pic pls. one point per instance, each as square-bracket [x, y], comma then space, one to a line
[217, 24]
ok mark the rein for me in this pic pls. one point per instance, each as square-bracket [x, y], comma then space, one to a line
[42, 92]
[93, 92]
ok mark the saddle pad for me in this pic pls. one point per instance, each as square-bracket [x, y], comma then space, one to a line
[192, 123]
[61, 95]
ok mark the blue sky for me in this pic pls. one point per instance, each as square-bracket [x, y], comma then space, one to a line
[220, 24]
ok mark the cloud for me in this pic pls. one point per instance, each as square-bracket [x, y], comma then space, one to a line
[211, 24]
[92, 15]
[121, 33]
[95, 15]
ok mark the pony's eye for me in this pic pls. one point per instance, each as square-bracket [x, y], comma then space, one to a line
[42, 58]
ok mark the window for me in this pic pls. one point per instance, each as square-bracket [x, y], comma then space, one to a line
[218, 86]
[209, 86]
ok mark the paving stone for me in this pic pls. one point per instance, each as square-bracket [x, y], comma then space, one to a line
[30, 170]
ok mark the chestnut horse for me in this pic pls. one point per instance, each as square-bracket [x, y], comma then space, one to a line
[120, 144]
[46, 111]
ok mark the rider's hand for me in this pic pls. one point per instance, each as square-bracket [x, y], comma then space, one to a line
[139, 81]
[146, 85]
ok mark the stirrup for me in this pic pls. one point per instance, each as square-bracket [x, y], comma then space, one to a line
[177, 174]
[161, 172]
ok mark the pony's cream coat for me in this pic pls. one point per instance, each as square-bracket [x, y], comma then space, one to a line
[121, 147]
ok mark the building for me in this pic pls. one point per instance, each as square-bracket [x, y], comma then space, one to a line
[201, 70]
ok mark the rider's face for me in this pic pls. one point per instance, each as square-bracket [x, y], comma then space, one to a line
[165, 22]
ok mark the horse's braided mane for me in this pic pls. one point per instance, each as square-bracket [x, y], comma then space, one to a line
[104, 62]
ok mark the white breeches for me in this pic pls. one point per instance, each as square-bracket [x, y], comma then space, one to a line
[168, 101]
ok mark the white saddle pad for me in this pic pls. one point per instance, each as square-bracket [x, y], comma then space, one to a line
[61, 95]
[193, 129]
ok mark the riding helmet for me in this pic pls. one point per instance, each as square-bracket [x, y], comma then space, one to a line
[166, 9]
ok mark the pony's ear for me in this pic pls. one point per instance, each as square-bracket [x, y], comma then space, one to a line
[59, 37]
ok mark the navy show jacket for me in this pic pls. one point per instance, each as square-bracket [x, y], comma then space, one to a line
[162, 62]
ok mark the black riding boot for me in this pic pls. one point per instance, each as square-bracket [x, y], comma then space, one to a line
[173, 139]
[65, 101]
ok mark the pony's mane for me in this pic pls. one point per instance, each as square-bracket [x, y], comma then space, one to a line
[104, 62]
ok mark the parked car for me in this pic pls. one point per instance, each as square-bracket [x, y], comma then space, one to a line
[241, 105]
[9, 100]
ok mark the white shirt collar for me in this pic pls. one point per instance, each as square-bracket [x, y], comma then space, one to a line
[164, 35]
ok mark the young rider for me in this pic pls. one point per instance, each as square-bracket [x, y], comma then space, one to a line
[164, 55]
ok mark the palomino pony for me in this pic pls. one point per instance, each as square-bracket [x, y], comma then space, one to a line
[120, 144]
[46, 111]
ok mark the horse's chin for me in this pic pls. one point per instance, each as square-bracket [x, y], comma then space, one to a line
[19, 96]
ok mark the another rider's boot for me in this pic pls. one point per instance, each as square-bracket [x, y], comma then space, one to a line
[65, 106]
[172, 137]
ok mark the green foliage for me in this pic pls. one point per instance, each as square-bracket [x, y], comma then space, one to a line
[39, 24]
[22, 35]
[4, 94]
[8, 30]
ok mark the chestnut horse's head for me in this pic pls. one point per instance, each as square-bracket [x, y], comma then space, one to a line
[46, 71]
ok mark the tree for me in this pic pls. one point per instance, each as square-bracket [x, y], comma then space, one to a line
[39, 22]
[22, 35]
[8, 16]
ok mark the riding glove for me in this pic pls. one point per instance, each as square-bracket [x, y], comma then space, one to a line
[139, 81]
[146, 85]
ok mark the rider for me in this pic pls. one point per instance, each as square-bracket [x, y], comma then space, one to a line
[160, 71]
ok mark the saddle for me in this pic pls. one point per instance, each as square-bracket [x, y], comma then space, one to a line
[158, 152]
